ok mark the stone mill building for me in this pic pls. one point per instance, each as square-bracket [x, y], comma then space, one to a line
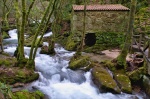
[99, 18]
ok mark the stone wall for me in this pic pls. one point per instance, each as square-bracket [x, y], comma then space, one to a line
[100, 21]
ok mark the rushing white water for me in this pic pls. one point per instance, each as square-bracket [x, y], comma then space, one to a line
[58, 82]
[46, 35]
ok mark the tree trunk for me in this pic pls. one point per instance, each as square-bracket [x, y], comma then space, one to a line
[84, 29]
[21, 34]
[121, 59]
[29, 10]
[44, 30]
[1, 38]
[31, 58]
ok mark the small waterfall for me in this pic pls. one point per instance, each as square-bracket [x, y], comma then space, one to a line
[58, 82]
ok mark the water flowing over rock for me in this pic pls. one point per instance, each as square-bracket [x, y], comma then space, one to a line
[56, 81]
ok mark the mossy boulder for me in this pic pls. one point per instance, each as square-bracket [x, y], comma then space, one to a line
[136, 75]
[5, 35]
[123, 82]
[109, 64]
[71, 44]
[80, 62]
[104, 81]
[146, 84]
[12, 75]
[27, 95]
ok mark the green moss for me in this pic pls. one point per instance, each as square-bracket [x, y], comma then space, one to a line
[109, 64]
[136, 74]
[79, 62]
[5, 35]
[104, 80]
[7, 61]
[146, 84]
[27, 95]
[124, 83]
[71, 44]
[31, 78]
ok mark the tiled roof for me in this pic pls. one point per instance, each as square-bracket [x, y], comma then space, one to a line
[97, 7]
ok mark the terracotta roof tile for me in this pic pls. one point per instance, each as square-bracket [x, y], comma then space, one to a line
[100, 7]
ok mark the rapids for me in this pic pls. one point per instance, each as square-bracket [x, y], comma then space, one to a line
[56, 81]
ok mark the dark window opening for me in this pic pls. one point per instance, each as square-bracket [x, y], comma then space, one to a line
[90, 39]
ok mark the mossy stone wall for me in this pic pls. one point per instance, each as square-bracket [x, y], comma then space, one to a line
[99, 21]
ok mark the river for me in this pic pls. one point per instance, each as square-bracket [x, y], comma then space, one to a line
[56, 81]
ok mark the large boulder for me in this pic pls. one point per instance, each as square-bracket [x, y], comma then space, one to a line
[81, 62]
[123, 82]
[146, 84]
[104, 81]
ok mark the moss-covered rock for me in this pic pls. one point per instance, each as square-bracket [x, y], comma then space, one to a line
[104, 80]
[136, 74]
[146, 84]
[71, 44]
[123, 82]
[5, 35]
[27, 95]
[109, 64]
[80, 62]
[12, 75]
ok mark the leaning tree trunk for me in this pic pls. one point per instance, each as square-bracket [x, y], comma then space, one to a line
[44, 30]
[121, 59]
[31, 56]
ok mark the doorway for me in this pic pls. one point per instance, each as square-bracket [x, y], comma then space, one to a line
[90, 39]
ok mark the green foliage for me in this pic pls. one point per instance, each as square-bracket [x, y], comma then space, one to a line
[5, 90]
[108, 39]
[7, 62]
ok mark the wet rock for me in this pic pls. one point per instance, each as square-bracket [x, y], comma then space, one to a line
[146, 84]
[138, 55]
[123, 82]
[16, 85]
[81, 62]
[136, 75]
[44, 50]
[104, 80]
